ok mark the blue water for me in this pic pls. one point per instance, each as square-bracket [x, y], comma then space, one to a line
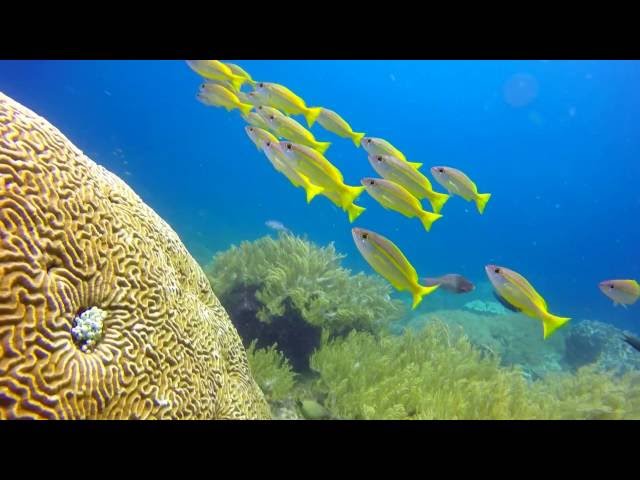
[556, 143]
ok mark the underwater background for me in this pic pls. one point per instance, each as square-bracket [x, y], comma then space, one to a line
[555, 142]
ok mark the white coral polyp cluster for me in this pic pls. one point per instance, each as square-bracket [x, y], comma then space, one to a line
[87, 329]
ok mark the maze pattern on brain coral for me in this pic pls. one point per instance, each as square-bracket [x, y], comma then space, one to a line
[74, 236]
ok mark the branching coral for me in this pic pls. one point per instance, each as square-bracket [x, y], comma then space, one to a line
[288, 290]
[271, 370]
[437, 374]
[292, 268]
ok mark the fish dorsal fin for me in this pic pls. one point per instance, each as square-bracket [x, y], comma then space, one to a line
[282, 90]
[393, 253]
[524, 284]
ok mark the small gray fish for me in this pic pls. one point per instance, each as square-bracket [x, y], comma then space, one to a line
[451, 282]
[276, 225]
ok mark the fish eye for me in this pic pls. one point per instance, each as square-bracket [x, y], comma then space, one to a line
[380, 158]
[371, 182]
[268, 143]
[364, 236]
[368, 140]
[497, 270]
[441, 170]
[289, 146]
[271, 117]
[611, 286]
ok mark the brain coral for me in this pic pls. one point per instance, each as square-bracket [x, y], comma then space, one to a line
[74, 237]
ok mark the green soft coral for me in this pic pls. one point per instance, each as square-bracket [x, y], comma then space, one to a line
[272, 371]
[437, 374]
[291, 268]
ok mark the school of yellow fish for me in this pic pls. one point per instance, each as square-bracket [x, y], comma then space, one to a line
[295, 152]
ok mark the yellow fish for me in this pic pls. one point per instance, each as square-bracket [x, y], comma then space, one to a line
[216, 70]
[459, 184]
[240, 72]
[395, 197]
[398, 171]
[387, 259]
[379, 146]
[285, 100]
[288, 128]
[260, 136]
[217, 96]
[322, 172]
[254, 98]
[255, 120]
[281, 163]
[622, 292]
[333, 122]
[517, 294]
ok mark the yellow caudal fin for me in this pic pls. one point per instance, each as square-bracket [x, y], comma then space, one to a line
[550, 323]
[351, 194]
[354, 212]
[312, 190]
[311, 115]
[415, 165]
[322, 146]
[357, 138]
[422, 291]
[437, 201]
[427, 219]
[237, 81]
[481, 201]
[245, 108]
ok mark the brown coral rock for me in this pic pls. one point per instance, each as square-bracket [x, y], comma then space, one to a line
[74, 236]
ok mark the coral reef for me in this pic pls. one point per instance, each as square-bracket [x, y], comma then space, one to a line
[88, 328]
[493, 308]
[288, 290]
[272, 372]
[437, 373]
[515, 338]
[590, 341]
[73, 237]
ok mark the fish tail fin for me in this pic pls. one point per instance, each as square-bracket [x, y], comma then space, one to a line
[437, 201]
[351, 194]
[427, 219]
[551, 323]
[322, 146]
[311, 115]
[420, 293]
[357, 138]
[415, 165]
[354, 212]
[481, 201]
[312, 190]
[237, 81]
[245, 108]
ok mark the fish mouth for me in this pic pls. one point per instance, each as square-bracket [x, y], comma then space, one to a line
[490, 269]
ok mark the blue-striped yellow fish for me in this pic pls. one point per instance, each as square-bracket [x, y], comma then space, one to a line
[517, 294]
[387, 259]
